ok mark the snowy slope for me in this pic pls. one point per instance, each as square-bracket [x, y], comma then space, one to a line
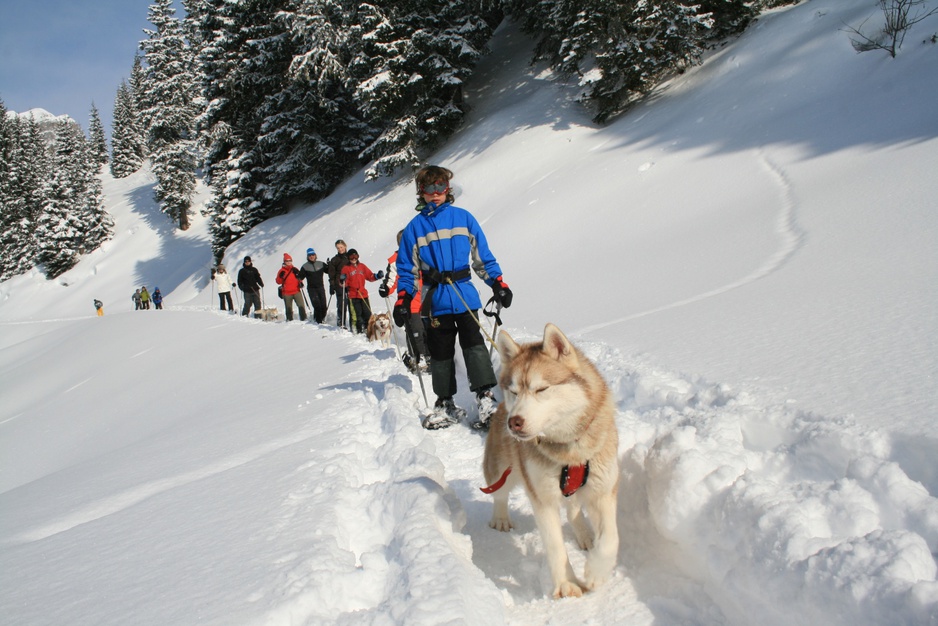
[749, 257]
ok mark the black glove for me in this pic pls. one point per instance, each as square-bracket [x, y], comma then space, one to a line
[213, 274]
[379, 275]
[503, 294]
[402, 308]
[342, 278]
[383, 291]
[331, 290]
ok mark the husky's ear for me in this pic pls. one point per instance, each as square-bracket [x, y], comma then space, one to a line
[558, 347]
[507, 348]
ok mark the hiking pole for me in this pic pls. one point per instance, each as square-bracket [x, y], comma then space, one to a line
[497, 321]
[423, 390]
[309, 307]
[449, 281]
[393, 329]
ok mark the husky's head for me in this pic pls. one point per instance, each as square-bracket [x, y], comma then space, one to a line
[545, 387]
[382, 321]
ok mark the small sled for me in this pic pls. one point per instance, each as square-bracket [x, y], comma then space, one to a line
[268, 315]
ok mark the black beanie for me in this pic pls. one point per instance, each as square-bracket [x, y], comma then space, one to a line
[247, 258]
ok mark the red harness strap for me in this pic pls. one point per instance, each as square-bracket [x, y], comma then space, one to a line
[572, 477]
[498, 484]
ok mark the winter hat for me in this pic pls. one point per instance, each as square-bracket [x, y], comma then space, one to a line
[310, 251]
[352, 252]
[287, 257]
[247, 258]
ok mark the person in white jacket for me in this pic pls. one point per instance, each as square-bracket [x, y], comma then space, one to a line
[223, 282]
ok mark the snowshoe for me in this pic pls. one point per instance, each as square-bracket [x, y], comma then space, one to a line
[487, 405]
[445, 413]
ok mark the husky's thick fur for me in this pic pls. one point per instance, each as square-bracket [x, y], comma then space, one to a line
[379, 329]
[557, 421]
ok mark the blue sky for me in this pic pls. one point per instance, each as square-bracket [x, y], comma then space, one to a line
[62, 55]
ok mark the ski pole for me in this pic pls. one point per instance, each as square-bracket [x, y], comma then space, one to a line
[497, 321]
[450, 282]
[423, 389]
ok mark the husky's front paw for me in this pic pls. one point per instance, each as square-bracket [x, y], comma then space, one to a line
[594, 576]
[568, 589]
[501, 523]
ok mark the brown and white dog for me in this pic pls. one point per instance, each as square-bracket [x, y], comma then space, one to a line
[555, 434]
[379, 329]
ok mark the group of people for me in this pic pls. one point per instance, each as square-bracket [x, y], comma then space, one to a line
[434, 298]
[142, 299]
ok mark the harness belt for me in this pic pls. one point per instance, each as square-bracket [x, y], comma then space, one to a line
[434, 278]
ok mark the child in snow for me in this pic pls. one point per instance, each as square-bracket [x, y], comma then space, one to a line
[99, 307]
[290, 280]
[439, 245]
[359, 307]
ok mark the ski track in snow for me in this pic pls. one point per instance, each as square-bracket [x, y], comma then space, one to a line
[791, 238]
[763, 457]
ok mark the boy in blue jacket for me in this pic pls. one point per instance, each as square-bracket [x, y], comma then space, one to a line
[444, 243]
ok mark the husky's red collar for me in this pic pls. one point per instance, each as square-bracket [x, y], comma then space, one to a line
[572, 477]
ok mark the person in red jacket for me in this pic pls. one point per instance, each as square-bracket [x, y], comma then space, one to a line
[356, 274]
[413, 328]
[289, 280]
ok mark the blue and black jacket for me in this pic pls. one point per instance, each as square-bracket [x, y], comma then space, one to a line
[441, 242]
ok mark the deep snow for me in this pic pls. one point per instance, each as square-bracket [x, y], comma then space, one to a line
[749, 257]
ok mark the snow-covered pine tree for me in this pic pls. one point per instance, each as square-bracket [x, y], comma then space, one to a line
[242, 62]
[126, 138]
[98, 142]
[311, 132]
[168, 111]
[27, 170]
[620, 49]
[413, 60]
[60, 231]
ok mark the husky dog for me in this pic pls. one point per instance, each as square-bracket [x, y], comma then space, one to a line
[555, 433]
[268, 315]
[379, 329]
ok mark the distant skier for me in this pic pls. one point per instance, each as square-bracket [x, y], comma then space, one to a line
[157, 299]
[144, 298]
[138, 300]
[99, 307]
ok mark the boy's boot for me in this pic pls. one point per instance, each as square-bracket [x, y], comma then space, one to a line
[445, 414]
[487, 405]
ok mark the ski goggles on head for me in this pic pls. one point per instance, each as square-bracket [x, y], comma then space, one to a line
[437, 187]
